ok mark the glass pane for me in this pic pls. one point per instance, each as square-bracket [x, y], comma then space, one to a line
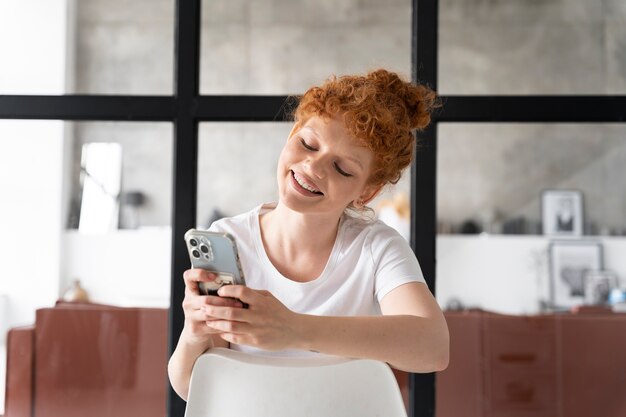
[87, 47]
[33, 44]
[237, 167]
[532, 47]
[282, 47]
[71, 284]
[146, 169]
[500, 192]
[124, 47]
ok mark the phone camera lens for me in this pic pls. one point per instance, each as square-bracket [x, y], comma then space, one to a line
[195, 253]
[204, 249]
[193, 242]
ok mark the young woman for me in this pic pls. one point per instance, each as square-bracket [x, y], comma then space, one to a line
[320, 277]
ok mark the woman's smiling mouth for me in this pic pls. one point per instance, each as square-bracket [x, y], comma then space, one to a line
[302, 184]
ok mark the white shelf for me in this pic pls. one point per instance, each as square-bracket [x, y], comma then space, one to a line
[506, 273]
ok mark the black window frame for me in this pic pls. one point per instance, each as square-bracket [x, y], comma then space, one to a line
[186, 108]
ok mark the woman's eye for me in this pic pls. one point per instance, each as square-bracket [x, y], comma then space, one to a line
[307, 146]
[341, 171]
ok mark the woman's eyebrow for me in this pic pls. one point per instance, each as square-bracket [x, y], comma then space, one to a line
[309, 128]
[355, 160]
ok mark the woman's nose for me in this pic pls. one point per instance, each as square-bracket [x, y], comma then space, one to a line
[316, 166]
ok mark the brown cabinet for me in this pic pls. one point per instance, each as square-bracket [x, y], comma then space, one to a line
[88, 360]
[565, 365]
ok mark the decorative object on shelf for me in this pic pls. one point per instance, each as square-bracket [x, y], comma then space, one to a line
[131, 202]
[75, 293]
[216, 215]
[617, 300]
[598, 286]
[470, 227]
[396, 213]
[562, 212]
[515, 226]
[569, 263]
[100, 179]
[454, 304]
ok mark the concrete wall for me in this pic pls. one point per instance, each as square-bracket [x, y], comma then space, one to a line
[532, 47]
[282, 47]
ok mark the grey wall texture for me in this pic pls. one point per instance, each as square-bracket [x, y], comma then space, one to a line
[489, 173]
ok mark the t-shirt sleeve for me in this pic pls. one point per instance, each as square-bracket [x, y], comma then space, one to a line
[216, 226]
[394, 261]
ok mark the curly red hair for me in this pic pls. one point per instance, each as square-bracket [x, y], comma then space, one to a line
[379, 109]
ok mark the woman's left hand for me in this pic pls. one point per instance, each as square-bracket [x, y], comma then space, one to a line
[265, 324]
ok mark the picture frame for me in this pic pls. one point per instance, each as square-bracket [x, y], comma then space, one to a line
[598, 286]
[570, 261]
[562, 213]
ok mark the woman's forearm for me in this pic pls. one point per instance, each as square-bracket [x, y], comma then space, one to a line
[182, 360]
[409, 343]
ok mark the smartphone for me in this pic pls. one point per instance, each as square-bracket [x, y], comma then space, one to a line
[215, 252]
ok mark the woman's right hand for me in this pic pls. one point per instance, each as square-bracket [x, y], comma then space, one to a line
[196, 336]
[196, 331]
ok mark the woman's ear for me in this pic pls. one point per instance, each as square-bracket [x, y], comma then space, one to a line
[368, 194]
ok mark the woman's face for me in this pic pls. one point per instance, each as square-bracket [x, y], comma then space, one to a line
[322, 169]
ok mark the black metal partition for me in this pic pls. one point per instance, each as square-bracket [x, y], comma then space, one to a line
[423, 183]
[187, 108]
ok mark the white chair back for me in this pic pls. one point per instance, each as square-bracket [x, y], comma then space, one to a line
[227, 383]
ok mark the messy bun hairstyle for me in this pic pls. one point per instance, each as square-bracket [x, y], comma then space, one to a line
[379, 109]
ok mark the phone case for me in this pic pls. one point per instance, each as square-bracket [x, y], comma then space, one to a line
[215, 252]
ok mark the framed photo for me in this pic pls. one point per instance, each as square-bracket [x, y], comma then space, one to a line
[570, 262]
[562, 212]
[598, 286]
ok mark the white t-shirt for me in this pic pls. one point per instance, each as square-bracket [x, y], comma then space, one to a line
[368, 260]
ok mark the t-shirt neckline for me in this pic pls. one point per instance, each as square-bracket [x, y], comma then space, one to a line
[330, 264]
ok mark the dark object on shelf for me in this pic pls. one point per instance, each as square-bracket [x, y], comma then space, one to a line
[515, 226]
[591, 229]
[470, 227]
[131, 201]
[134, 198]
[454, 304]
[216, 215]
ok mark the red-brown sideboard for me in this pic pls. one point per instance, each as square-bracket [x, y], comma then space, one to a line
[557, 365]
[106, 361]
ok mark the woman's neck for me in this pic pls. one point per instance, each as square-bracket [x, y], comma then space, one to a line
[295, 232]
